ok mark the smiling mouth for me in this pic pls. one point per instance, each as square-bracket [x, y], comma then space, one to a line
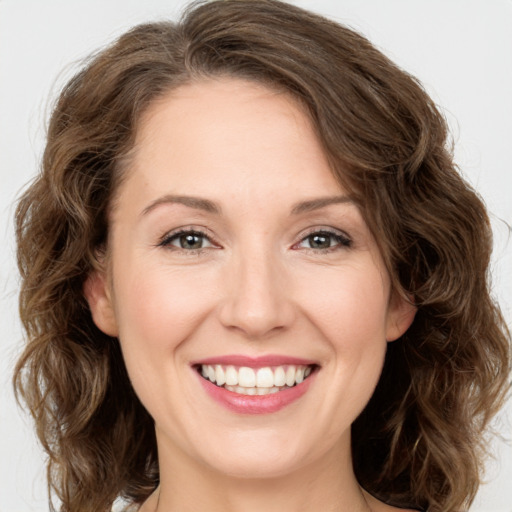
[255, 381]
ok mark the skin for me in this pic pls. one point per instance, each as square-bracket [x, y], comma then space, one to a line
[257, 286]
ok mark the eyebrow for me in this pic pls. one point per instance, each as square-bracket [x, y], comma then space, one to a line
[197, 203]
[208, 206]
[321, 202]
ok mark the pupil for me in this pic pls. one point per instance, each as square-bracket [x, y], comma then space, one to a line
[320, 241]
[190, 241]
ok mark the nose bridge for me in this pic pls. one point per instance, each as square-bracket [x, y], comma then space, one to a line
[257, 300]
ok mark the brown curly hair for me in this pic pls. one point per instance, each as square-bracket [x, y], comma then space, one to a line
[419, 442]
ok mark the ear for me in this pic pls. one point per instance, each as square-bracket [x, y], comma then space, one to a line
[97, 293]
[400, 316]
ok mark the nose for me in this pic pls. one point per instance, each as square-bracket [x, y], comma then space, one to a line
[258, 301]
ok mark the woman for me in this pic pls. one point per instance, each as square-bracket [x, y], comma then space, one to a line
[252, 278]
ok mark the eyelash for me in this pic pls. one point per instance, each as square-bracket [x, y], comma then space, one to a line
[343, 241]
[170, 237]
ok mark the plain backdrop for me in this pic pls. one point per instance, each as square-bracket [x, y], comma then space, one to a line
[460, 49]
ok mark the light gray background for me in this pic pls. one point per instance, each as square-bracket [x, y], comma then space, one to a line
[460, 49]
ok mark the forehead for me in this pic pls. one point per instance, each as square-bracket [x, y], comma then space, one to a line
[208, 133]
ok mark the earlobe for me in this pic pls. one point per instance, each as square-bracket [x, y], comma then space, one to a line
[97, 293]
[400, 316]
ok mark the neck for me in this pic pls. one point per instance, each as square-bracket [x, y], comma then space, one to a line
[187, 485]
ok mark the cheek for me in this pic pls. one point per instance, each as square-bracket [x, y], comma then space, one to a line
[350, 311]
[157, 309]
[349, 306]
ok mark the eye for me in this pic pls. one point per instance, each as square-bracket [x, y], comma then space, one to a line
[187, 240]
[324, 241]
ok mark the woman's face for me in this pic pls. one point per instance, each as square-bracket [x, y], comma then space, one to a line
[234, 253]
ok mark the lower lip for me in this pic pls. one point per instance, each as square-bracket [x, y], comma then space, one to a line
[256, 404]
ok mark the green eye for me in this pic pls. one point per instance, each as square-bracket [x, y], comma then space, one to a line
[324, 240]
[320, 241]
[190, 241]
[187, 240]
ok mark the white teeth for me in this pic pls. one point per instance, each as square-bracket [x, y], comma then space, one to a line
[246, 377]
[279, 376]
[267, 379]
[254, 391]
[220, 376]
[264, 378]
[231, 376]
[290, 375]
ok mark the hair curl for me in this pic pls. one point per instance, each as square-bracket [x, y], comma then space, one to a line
[419, 442]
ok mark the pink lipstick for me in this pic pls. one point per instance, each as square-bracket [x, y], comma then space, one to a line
[255, 385]
[247, 404]
[254, 362]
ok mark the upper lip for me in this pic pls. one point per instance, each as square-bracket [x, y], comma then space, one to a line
[254, 362]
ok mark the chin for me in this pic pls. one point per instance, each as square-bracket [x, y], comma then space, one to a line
[255, 466]
[258, 455]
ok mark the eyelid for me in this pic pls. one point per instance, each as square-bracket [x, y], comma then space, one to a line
[346, 240]
[165, 240]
